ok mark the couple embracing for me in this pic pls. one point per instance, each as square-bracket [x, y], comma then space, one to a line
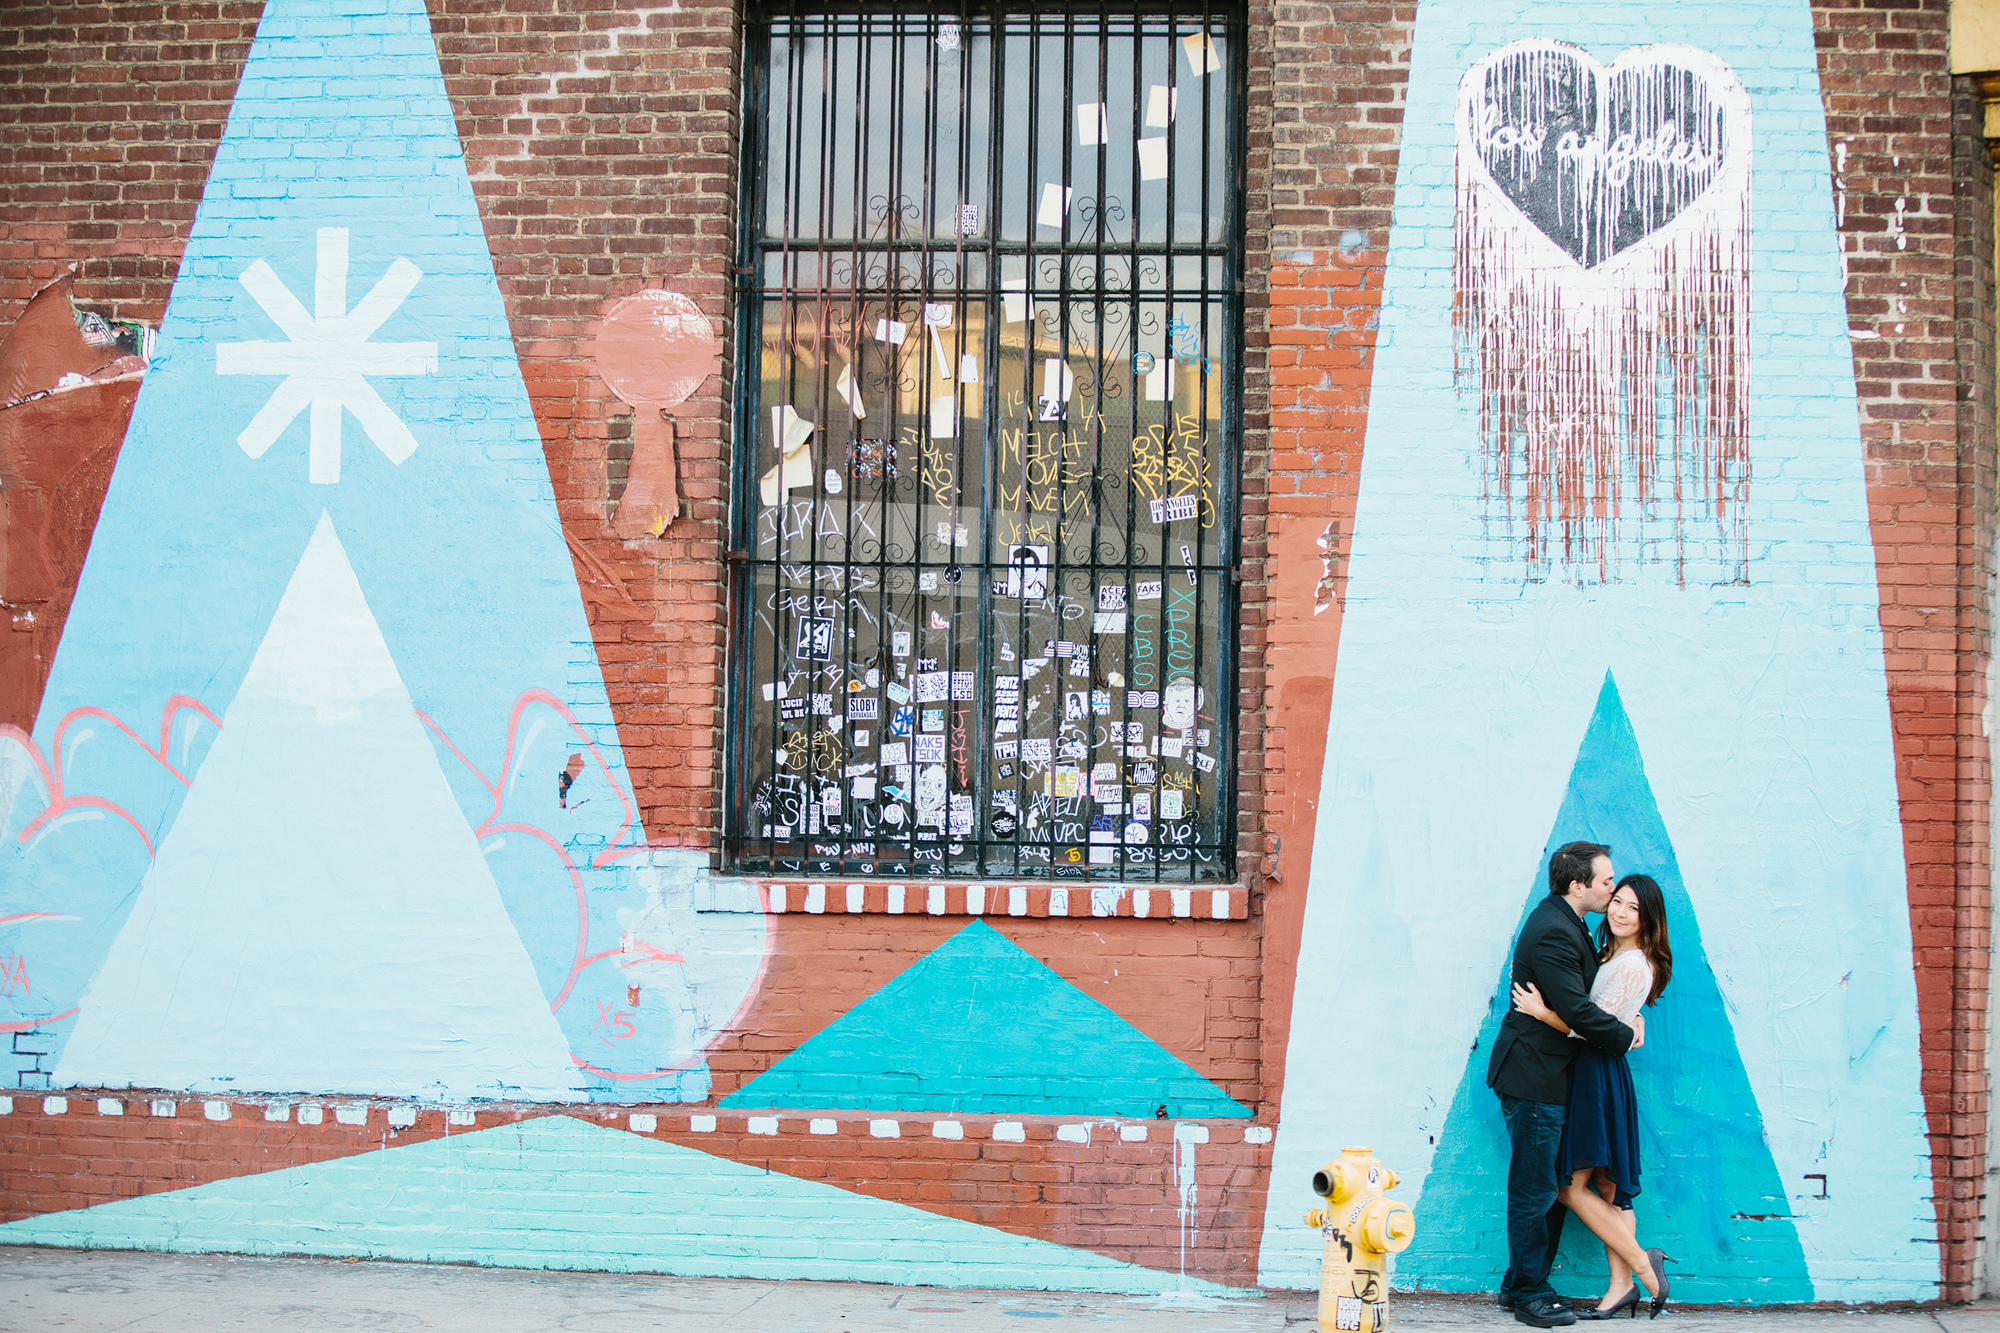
[1566, 1091]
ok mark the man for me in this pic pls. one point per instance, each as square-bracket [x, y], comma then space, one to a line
[1530, 1069]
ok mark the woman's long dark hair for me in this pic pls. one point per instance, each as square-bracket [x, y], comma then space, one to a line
[1652, 931]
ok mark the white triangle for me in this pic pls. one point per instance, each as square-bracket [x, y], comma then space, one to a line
[319, 918]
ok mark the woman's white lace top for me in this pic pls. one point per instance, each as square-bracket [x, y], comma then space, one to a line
[1622, 985]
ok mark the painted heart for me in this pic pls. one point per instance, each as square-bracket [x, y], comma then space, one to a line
[1600, 157]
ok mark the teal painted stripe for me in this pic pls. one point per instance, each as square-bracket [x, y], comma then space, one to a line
[560, 1193]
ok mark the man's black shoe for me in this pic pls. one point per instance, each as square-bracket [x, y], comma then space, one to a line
[1544, 1312]
[1505, 1300]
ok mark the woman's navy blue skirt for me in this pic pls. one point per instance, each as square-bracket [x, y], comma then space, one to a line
[1603, 1126]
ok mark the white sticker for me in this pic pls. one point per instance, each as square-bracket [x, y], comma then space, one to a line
[968, 219]
[1161, 104]
[1204, 58]
[1177, 704]
[1055, 203]
[944, 418]
[864, 789]
[937, 314]
[932, 686]
[1347, 1314]
[899, 643]
[832, 482]
[894, 753]
[1149, 590]
[962, 684]
[863, 710]
[1176, 508]
[1152, 159]
[1171, 801]
[968, 369]
[1108, 622]
[1111, 597]
[891, 331]
[930, 749]
[1028, 572]
[1092, 124]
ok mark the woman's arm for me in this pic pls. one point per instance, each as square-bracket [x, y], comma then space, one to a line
[1529, 1001]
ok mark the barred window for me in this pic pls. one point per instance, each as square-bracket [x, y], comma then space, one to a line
[984, 512]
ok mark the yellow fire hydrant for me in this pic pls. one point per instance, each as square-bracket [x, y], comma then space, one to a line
[1361, 1228]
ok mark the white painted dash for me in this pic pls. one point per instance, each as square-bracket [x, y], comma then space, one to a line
[1009, 1131]
[642, 1124]
[1073, 1133]
[823, 1127]
[947, 1129]
[312, 1115]
[110, 1106]
[763, 1124]
[857, 897]
[55, 1105]
[1132, 1133]
[885, 1129]
[816, 898]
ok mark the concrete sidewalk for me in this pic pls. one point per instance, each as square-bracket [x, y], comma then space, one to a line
[84, 1291]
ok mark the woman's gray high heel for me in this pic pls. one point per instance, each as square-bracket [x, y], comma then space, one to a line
[1659, 1261]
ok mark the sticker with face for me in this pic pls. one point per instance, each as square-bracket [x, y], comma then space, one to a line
[1142, 806]
[899, 643]
[930, 787]
[1177, 704]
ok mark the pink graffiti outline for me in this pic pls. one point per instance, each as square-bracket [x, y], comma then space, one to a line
[51, 765]
[492, 823]
[610, 854]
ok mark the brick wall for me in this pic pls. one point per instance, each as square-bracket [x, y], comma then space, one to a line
[1116, 1192]
[1913, 190]
[1330, 97]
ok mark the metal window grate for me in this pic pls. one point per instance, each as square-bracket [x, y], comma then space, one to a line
[986, 478]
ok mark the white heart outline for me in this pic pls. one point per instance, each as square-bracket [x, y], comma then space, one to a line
[1731, 181]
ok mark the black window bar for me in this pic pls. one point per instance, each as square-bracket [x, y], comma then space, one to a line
[985, 500]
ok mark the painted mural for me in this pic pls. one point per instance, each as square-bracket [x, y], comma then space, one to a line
[323, 815]
[324, 792]
[1643, 309]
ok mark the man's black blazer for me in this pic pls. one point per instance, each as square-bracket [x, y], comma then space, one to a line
[1530, 1058]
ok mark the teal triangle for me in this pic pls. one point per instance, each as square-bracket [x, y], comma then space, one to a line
[979, 1026]
[1711, 1195]
[557, 1192]
[339, 188]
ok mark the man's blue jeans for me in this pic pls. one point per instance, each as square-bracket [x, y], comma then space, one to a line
[1534, 1218]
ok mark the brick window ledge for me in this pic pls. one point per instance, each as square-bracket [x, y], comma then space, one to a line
[840, 897]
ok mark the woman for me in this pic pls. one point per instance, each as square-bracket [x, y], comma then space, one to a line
[1599, 1154]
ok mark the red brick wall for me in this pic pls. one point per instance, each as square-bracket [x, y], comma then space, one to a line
[1118, 1198]
[1913, 187]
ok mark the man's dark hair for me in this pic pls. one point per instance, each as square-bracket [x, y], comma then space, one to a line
[1572, 861]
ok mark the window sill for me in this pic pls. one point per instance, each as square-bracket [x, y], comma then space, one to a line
[1229, 902]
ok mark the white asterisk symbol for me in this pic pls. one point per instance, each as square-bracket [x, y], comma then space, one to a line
[328, 358]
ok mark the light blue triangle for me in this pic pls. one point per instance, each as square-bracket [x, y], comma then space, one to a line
[979, 1025]
[561, 1193]
[341, 139]
[1710, 1192]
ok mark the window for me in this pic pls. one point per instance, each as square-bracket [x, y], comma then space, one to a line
[984, 514]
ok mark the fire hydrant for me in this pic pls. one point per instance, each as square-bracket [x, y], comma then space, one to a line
[1361, 1228]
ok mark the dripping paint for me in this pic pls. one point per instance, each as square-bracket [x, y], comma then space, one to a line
[1602, 285]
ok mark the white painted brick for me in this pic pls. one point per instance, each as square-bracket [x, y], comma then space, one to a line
[1257, 1134]
[6, 1106]
[1183, 901]
[461, 1118]
[1017, 900]
[897, 899]
[934, 900]
[279, 1113]
[110, 1106]
[776, 893]
[165, 1106]
[1190, 1133]
[354, 1113]
[885, 1129]
[947, 1129]
[642, 1124]
[402, 1117]
[763, 1124]
[312, 1115]
[1073, 1133]
[215, 1110]
[701, 1124]
[824, 1127]
[55, 1105]
[1132, 1133]
[857, 897]
[816, 898]
[1009, 1131]
[975, 899]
